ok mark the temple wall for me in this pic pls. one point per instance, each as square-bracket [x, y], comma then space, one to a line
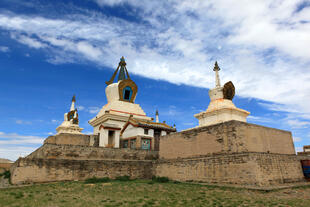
[259, 169]
[72, 139]
[53, 162]
[227, 137]
[38, 170]
[229, 153]
[5, 166]
[74, 152]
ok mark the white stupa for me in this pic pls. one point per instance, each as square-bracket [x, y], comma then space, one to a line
[221, 107]
[71, 121]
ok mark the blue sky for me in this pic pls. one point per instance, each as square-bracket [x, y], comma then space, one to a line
[50, 50]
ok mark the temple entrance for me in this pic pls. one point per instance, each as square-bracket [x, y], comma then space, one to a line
[111, 138]
[156, 139]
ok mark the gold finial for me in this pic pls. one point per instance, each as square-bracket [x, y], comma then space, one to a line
[122, 67]
[73, 98]
[216, 67]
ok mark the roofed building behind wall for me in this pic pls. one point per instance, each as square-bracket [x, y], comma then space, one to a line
[121, 109]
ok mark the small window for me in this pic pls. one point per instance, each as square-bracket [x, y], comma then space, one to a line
[133, 143]
[146, 131]
[125, 144]
[127, 92]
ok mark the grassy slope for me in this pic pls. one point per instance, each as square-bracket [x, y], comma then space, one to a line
[142, 193]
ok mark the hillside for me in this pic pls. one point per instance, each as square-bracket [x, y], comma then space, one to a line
[2, 160]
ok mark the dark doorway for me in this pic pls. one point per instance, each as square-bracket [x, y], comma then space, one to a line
[156, 139]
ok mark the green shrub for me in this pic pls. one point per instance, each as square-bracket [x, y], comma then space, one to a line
[123, 178]
[6, 174]
[19, 195]
[160, 179]
[97, 180]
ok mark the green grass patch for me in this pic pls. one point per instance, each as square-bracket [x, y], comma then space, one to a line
[97, 180]
[140, 193]
[160, 179]
[123, 178]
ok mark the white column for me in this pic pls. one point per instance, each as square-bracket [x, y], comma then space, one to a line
[157, 117]
[103, 138]
[117, 139]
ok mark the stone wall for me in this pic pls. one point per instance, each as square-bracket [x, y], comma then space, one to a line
[73, 139]
[260, 169]
[227, 137]
[38, 170]
[75, 152]
[5, 166]
[232, 152]
[53, 162]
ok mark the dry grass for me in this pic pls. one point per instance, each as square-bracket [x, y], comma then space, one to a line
[145, 193]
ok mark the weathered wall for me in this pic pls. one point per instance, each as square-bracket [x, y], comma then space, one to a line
[260, 169]
[5, 166]
[73, 139]
[227, 137]
[74, 152]
[53, 162]
[37, 170]
[233, 152]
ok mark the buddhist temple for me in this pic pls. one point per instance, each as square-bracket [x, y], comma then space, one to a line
[71, 121]
[221, 107]
[122, 123]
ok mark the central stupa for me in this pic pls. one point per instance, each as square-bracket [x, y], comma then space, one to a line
[221, 107]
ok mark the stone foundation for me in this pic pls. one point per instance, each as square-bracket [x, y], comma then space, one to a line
[47, 170]
[260, 169]
[229, 153]
[228, 137]
[53, 162]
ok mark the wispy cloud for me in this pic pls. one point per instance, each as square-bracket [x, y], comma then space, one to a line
[259, 119]
[22, 122]
[295, 123]
[14, 152]
[297, 139]
[262, 46]
[93, 109]
[16, 139]
[4, 49]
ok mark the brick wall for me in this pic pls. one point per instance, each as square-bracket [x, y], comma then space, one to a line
[227, 137]
[73, 139]
[260, 169]
[37, 170]
[74, 152]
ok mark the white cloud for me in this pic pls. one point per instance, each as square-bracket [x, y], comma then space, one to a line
[259, 119]
[93, 109]
[297, 139]
[80, 108]
[17, 136]
[14, 152]
[299, 149]
[4, 49]
[22, 122]
[296, 124]
[54, 121]
[13, 145]
[262, 46]
[31, 42]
